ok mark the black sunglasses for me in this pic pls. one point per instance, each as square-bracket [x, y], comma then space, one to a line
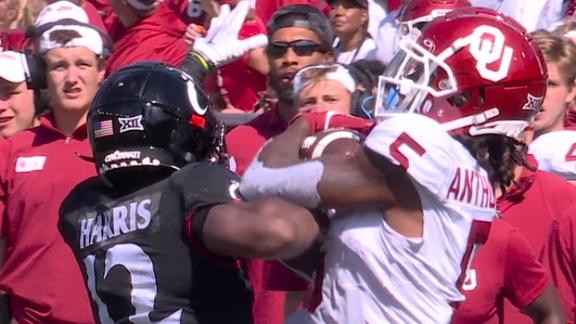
[301, 47]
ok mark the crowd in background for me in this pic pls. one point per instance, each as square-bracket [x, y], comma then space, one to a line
[48, 86]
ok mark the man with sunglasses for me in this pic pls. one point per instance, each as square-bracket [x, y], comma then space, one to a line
[299, 35]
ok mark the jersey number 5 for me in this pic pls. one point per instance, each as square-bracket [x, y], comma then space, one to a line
[405, 139]
[142, 279]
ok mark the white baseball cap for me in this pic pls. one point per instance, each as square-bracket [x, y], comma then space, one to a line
[89, 38]
[12, 66]
[61, 10]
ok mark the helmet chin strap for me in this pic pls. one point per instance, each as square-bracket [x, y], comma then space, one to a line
[471, 120]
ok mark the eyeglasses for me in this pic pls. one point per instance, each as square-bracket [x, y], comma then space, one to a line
[301, 47]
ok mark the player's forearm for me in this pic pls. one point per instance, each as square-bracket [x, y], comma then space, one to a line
[267, 229]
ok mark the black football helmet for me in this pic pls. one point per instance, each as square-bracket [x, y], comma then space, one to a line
[147, 116]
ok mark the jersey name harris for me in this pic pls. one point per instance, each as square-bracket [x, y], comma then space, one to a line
[115, 222]
[471, 187]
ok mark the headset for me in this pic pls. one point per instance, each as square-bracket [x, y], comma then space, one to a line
[35, 68]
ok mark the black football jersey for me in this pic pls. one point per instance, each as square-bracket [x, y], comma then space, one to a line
[135, 258]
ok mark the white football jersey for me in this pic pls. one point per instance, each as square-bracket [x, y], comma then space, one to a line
[387, 37]
[376, 13]
[556, 153]
[376, 275]
[533, 15]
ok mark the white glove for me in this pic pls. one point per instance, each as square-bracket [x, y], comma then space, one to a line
[221, 44]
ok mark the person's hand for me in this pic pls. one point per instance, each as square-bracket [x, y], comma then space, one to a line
[329, 119]
[193, 32]
[221, 44]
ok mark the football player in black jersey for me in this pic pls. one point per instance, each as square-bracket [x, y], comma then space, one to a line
[157, 233]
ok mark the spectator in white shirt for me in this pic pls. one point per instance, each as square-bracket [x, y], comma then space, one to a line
[349, 20]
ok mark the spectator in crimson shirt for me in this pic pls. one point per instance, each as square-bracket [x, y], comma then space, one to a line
[146, 30]
[299, 35]
[40, 167]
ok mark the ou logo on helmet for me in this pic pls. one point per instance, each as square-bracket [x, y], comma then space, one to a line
[487, 46]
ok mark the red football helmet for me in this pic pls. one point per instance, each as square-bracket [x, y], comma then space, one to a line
[474, 70]
[418, 12]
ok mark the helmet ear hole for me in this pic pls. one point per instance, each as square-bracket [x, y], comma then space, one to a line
[481, 98]
[419, 25]
[461, 99]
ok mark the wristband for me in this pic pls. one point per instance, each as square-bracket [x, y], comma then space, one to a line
[197, 226]
[297, 183]
[203, 61]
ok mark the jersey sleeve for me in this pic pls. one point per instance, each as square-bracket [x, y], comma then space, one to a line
[556, 153]
[388, 33]
[524, 276]
[421, 147]
[204, 185]
[201, 186]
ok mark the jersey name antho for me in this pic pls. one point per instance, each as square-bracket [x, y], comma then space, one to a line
[471, 187]
[118, 220]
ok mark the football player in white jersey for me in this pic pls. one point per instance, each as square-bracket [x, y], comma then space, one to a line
[414, 202]
[554, 147]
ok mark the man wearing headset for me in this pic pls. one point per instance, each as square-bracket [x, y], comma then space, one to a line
[41, 167]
